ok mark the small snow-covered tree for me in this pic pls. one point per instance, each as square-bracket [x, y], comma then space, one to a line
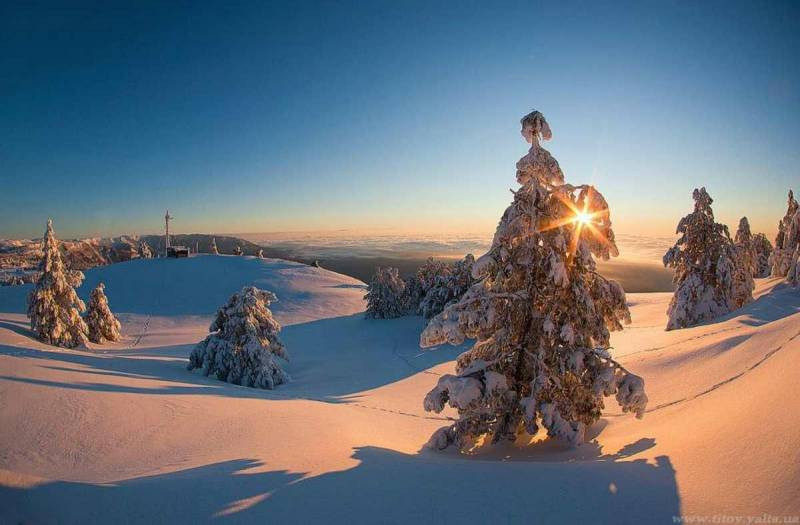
[238, 250]
[744, 268]
[100, 321]
[214, 249]
[144, 250]
[260, 254]
[54, 307]
[419, 284]
[244, 346]
[448, 287]
[762, 249]
[541, 315]
[704, 263]
[386, 295]
[787, 243]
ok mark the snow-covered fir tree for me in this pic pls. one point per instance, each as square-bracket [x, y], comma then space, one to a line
[144, 250]
[448, 287]
[763, 251]
[743, 284]
[238, 250]
[100, 321]
[419, 284]
[787, 243]
[214, 249]
[386, 296]
[244, 347]
[54, 307]
[541, 315]
[705, 263]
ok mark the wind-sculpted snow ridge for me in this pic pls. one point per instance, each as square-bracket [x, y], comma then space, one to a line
[541, 315]
[244, 346]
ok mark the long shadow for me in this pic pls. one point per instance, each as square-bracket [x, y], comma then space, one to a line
[17, 328]
[385, 487]
[334, 359]
[782, 301]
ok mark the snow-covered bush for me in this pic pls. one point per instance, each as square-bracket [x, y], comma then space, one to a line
[54, 307]
[214, 249]
[100, 321]
[386, 296]
[238, 250]
[744, 268]
[705, 265]
[419, 283]
[787, 243]
[541, 315]
[260, 254]
[244, 346]
[762, 249]
[144, 250]
[448, 287]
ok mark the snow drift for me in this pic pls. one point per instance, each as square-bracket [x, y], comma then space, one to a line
[123, 433]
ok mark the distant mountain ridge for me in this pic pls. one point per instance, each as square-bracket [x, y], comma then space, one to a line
[20, 258]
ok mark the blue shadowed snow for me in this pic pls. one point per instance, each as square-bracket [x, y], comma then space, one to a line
[193, 286]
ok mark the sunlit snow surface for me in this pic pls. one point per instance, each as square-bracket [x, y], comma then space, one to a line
[124, 433]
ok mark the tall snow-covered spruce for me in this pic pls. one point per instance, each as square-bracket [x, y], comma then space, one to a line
[100, 321]
[541, 315]
[787, 244]
[244, 346]
[54, 307]
[386, 296]
[706, 268]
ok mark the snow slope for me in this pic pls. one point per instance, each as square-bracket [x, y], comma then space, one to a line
[123, 432]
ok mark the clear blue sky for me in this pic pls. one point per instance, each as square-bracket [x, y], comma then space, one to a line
[404, 115]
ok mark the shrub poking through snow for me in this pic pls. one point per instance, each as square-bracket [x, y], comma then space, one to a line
[787, 244]
[386, 295]
[762, 250]
[743, 285]
[214, 249]
[54, 307]
[541, 315]
[705, 265]
[448, 287]
[244, 346]
[100, 321]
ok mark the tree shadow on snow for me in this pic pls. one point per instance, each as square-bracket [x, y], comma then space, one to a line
[779, 303]
[330, 360]
[384, 487]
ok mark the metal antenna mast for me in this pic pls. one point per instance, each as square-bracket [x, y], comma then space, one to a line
[167, 218]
